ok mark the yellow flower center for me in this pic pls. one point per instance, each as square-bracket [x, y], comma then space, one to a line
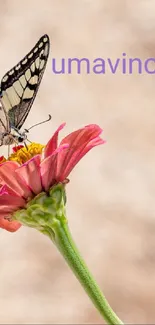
[25, 153]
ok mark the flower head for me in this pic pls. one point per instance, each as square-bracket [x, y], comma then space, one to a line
[34, 169]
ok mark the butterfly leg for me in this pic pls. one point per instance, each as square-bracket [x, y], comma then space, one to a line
[29, 140]
[25, 145]
[8, 150]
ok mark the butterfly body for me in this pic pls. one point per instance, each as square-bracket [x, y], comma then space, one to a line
[12, 137]
[18, 90]
[7, 139]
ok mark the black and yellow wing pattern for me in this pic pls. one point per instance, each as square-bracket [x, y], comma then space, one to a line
[19, 87]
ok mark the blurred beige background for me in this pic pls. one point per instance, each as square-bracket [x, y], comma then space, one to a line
[111, 196]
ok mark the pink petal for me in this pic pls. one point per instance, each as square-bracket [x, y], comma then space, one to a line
[9, 225]
[7, 190]
[53, 142]
[3, 190]
[48, 168]
[75, 159]
[9, 177]
[30, 173]
[10, 201]
[5, 212]
[80, 142]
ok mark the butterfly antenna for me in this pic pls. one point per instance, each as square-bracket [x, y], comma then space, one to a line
[49, 118]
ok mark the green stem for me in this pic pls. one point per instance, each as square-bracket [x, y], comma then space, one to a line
[65, 244]
[46, 213]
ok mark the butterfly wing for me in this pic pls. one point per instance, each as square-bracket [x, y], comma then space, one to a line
[19, 85]
[4, 124]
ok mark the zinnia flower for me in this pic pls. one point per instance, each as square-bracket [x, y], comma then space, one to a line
[31, 171]
[32, 193]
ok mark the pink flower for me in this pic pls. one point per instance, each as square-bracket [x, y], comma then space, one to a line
[20, 183]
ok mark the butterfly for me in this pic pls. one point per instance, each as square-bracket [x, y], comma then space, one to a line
[18, 90]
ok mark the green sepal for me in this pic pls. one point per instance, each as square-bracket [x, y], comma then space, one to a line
[45, 211]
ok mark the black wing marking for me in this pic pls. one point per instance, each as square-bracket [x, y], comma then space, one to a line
[19, 85]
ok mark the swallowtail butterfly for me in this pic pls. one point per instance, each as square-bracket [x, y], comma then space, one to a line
[18, 89]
